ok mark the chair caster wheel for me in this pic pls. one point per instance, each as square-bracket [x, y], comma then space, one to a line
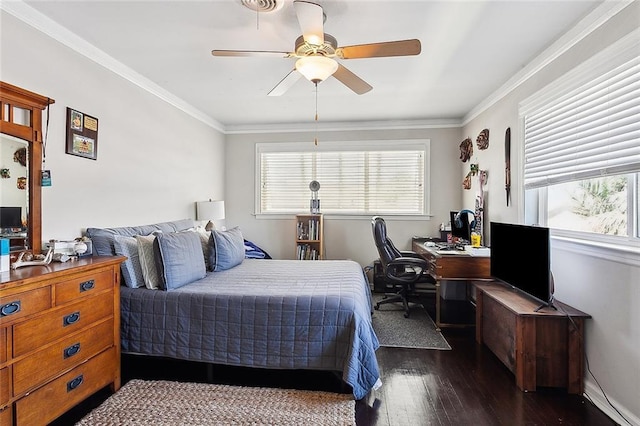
[406, 315]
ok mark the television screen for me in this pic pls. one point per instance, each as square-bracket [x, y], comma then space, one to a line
[521, 257]
[463, 231]
[10, 217]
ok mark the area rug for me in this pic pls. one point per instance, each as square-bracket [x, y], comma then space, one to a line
[163, 403]
[396, 331]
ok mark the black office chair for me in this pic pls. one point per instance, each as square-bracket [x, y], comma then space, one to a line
[403, 269]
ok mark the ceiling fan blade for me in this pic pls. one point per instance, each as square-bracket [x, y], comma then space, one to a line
[285, 84]
[378, 50]
[351, 80]
[311, 19]
[261, 53]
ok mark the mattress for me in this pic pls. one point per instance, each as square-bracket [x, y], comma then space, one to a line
[279, 314]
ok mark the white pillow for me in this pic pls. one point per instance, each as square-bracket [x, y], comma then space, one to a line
[204, 242]
[131, 268]
[152, 279]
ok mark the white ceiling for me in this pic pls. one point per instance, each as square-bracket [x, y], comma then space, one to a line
[469, 50]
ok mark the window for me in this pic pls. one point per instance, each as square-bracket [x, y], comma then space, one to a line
[598, 205]
[356, 178]
[582, 149]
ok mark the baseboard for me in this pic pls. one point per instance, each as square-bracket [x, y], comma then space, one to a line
[593, 392]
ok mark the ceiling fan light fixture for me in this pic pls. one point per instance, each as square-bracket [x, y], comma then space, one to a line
[263, 5]
[316, 68]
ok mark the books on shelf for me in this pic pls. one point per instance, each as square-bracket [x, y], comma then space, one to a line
[309, 244]
[309, 230]
[307, 252]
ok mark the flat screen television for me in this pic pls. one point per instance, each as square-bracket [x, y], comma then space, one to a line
[521, 258]
[11, 217]
[463, 231]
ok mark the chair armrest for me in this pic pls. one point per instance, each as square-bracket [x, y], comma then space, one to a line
[409, 261]
[410, 254]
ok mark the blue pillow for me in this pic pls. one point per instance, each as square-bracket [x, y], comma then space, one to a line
[181, 260]
[226, 249]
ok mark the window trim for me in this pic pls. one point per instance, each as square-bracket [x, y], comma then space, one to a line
[357, 145]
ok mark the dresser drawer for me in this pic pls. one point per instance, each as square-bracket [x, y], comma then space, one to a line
[84, 285]
[31, 335]
[6, 415]
[18, 305]
[5, 386]
[67, 353]
[3, 345]
[56, 397]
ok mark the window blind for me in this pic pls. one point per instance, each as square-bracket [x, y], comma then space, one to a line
[352, 181]
[593, 130]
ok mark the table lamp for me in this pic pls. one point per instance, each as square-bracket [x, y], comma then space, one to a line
[210, 211]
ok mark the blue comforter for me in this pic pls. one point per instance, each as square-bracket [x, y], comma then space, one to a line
[281, 314]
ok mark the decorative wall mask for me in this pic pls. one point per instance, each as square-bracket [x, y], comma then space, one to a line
[466, 183]
[483, 139]
[22, 183]
[466, 150]
[20, 156]
[5, 174]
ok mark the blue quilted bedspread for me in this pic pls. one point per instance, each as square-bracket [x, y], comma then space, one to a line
[282, 314]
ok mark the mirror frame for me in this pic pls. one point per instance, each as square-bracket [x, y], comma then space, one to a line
[12, 96]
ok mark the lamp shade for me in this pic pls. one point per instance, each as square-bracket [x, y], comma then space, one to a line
[316, 68]
[209, 210]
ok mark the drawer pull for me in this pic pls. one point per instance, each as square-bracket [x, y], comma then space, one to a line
[71, 350]
[74, 383]
[87, 285]
[10, 308]
[71, 319]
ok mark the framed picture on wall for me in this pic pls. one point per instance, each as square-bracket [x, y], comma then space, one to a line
[82, 134]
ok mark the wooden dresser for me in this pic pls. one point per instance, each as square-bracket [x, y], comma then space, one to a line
[59, 337]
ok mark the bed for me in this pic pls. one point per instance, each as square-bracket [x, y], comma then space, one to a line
[276, 314]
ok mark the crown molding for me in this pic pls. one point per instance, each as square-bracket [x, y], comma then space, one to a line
[343, 126]
[582, 29]
[44, 24]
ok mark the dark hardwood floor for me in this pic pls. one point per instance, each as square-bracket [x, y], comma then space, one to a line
[464, 386]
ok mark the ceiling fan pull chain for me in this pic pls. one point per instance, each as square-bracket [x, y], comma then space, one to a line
[315, 139]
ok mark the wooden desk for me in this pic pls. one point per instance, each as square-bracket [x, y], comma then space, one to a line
[457, 266]
[543, 348]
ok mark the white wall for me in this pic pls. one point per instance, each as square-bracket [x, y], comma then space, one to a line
[344, 238]
[154, 161]
[605, 285]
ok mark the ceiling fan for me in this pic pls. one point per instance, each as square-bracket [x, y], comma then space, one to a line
[316, 52]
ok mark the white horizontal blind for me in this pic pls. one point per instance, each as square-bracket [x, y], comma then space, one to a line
[352, 181]
[593, 130]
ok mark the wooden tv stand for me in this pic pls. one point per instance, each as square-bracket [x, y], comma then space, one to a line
[542, 348]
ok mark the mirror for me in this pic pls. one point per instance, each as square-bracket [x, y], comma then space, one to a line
[21, 158]
[14, 195]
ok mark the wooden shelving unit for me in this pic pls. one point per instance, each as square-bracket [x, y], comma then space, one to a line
[309, 237]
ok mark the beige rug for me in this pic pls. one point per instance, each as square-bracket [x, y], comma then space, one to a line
[155, 403]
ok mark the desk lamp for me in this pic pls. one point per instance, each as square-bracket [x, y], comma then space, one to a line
[210, 211]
